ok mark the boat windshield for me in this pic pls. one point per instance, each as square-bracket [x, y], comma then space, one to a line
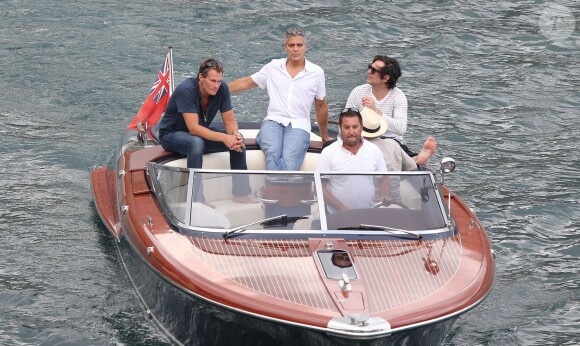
[225, 202]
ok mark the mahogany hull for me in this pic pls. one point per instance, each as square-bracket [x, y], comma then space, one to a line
[191, 320]
[198, 293]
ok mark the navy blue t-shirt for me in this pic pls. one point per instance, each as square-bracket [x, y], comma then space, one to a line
[187, 99]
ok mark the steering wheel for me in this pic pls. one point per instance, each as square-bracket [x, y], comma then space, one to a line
[385, 203]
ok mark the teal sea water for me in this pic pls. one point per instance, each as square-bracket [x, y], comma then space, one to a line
[497, 83]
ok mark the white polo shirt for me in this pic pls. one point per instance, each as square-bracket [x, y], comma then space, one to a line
[354, 191]
[291, 99]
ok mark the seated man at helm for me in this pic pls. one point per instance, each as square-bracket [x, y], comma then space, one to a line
[351, 153]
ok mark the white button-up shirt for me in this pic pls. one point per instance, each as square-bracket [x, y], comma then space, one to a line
[291, 99]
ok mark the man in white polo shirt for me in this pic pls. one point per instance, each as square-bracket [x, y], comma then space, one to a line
[351, 153]
[293, 84]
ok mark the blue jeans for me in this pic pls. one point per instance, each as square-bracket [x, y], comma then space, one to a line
[283, 146]
[194, 147]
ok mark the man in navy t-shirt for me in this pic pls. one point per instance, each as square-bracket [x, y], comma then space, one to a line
[184, 129]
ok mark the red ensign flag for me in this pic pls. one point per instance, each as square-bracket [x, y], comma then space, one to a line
[154, 105]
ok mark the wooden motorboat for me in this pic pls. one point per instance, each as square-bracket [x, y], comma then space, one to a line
[288, 269]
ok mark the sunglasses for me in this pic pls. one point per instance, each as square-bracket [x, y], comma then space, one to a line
[213, 64]
[373, 69]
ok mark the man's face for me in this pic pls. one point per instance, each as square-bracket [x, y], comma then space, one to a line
[210, 84]
[341, 260]
[295, 47]
[351, 131]
[373, 74]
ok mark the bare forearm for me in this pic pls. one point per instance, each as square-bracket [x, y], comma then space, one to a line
[194, 128]
[241, 84]
[331, 200]
[206, 133]
[231, 127]
[322, 119]
[230, 122]
[385, 187]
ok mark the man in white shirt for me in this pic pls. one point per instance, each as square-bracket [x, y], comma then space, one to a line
[381, 94]
[351, 153]
[293, 84]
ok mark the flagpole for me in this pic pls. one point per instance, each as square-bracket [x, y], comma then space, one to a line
[172, 86]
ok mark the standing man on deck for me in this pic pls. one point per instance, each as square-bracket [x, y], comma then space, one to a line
[293, 84]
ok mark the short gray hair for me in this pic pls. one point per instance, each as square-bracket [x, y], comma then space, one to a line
[290, 32]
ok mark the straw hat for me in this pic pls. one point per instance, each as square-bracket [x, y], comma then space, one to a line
[374, 124]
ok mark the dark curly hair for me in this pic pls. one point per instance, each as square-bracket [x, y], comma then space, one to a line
[391, 69]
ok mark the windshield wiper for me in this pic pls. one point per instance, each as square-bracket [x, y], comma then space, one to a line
[283, 219]
[386, 229]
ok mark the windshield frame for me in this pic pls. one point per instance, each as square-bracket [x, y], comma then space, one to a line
[272, 233]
